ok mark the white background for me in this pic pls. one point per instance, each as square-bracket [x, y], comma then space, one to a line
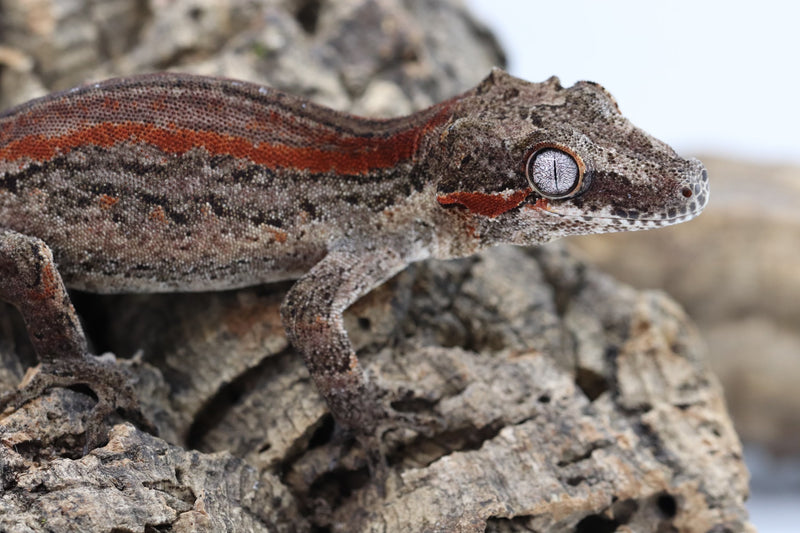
[707, 77]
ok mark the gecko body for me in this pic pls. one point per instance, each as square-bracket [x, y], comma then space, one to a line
[172, 182]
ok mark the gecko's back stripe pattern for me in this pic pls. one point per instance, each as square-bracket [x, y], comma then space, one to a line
[233, 118]
[352, 156]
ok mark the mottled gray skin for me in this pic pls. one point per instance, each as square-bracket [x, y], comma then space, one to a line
[633, 181]
[344, 204]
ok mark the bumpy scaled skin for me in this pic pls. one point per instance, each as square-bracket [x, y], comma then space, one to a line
[181, 183]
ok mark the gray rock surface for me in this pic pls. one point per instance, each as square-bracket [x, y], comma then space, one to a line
[565, 400]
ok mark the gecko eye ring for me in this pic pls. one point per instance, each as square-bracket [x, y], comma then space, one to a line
[554, 171]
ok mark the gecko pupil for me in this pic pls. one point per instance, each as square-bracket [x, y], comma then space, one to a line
[553, 173]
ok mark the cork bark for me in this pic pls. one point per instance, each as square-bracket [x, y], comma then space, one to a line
[563, 400]
[740, 284]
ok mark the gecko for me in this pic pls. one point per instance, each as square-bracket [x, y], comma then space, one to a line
[175, 182]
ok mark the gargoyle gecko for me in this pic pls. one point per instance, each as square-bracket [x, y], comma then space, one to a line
[173, 182]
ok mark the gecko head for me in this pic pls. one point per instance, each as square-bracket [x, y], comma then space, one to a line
[529, 162]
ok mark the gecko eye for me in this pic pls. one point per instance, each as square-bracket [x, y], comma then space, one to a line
[554, 173]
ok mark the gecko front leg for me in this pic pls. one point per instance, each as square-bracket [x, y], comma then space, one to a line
[312, 315]
[30, 282]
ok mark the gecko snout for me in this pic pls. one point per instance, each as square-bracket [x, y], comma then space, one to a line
[695, 191]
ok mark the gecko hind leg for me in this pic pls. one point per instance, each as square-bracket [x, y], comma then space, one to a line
[30, 282]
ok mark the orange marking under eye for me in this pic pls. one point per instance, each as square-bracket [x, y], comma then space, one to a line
[541, 203]
[488, 205]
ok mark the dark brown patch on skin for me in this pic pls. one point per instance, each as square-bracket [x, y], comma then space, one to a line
[620, 194]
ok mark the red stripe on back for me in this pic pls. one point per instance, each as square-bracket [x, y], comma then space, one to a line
[326, 153]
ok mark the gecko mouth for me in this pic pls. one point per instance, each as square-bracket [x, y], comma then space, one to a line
[690, 199]
[631, 218]
[629, 221]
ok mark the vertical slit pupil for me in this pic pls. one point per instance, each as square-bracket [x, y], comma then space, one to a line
[547, 167]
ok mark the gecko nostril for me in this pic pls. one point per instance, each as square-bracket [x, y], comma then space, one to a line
[687, 192]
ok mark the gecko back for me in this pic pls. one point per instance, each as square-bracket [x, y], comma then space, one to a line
[176, 182]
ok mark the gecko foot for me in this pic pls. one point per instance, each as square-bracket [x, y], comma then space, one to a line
[372, 412]
[378, 445]
[381, 423]
[403, 410]
[425, 425]
[104, 379]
